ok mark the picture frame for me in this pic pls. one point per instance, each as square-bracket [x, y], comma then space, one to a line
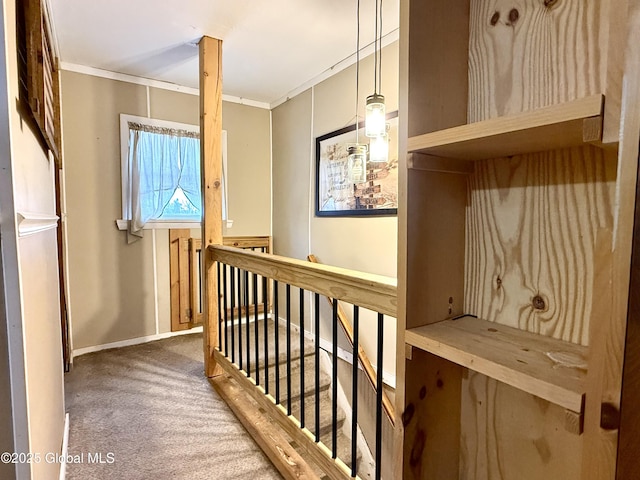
[334, 196]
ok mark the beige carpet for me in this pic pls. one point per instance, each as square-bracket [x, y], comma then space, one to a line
[151, 407]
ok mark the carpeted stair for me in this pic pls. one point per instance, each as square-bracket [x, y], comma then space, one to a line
[325, 390]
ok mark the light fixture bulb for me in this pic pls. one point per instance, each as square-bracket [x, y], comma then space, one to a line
[374, 121]
[379, 149]
[357, 164]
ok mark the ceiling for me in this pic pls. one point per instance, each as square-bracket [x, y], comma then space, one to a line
[269, 47]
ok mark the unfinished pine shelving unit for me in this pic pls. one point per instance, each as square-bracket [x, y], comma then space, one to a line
[518, 191]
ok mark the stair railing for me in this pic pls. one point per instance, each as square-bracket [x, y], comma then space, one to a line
[362, 356]
[240, 357]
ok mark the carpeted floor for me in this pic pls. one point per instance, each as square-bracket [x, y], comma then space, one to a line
[150, 409]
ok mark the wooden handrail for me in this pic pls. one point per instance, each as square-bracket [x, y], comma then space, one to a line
[374, 292]
[362, 355]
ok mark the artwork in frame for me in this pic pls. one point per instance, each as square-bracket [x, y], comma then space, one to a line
[335, 195]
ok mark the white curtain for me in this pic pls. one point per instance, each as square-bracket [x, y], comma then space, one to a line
[161, 161]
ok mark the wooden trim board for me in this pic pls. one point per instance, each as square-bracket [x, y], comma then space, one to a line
[283, 456]
[375, 292]
[362, 355]
[318, 452]
[558, 126]
[509, 355]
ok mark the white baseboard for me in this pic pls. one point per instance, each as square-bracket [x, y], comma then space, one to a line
[133, 341]
[65, 448]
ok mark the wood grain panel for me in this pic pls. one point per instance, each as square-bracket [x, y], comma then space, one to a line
[531, 230]
[509, 434]
[525, 55]
[431, 418]
[438, 37]
[435, 251]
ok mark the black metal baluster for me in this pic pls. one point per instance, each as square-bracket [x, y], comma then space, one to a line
[276, 328]
[317, 335]
[354, 391]
[239, 319]
[256, 326]
[288, 349]
[232, 290]
[301, 358]
[334, 383]
[219, 308]
[246, 316]
[226, 316]
[266, 334]
[379, 397]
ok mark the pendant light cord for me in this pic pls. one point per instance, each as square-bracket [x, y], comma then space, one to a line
[375, 54]
[357, 65]
[380, 54]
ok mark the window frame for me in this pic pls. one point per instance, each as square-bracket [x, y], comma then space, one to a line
[125, 173]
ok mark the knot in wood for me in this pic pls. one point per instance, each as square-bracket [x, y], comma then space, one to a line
[407, 415]
[216, 184]
[550, 3]
[494, 19]
[538, 303]
[609, 417]
[514, 15]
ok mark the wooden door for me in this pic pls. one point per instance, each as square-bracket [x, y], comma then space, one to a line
[184, 271]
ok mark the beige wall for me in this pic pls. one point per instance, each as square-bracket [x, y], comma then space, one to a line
[114, 294]
[31, 285]
[249, 162]
[367, 244]
[6, 425]
[291, 176]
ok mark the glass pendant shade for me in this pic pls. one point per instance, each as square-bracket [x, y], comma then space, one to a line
[374, 120]
[379, 149]
[357, 164]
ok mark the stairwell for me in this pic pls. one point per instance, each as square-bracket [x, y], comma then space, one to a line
[299, 359]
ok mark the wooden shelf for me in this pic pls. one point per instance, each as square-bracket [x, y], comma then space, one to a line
[558, 126]
[512, 356]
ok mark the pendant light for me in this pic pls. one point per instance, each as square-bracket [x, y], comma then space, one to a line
[357, 160]
[375, 116]
[357, 163]
[375, 110]
[379, 148]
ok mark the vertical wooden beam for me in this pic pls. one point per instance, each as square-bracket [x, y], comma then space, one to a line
[211, 171]
[628, 441]
[602, 407]
[617, 31]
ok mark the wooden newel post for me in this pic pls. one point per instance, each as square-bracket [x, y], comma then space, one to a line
[211, 172]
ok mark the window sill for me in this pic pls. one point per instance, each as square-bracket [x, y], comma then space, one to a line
[122, 225]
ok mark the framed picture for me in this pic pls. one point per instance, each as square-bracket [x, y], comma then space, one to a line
[335, 195]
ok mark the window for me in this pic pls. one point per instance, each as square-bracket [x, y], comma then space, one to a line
[161, 173]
